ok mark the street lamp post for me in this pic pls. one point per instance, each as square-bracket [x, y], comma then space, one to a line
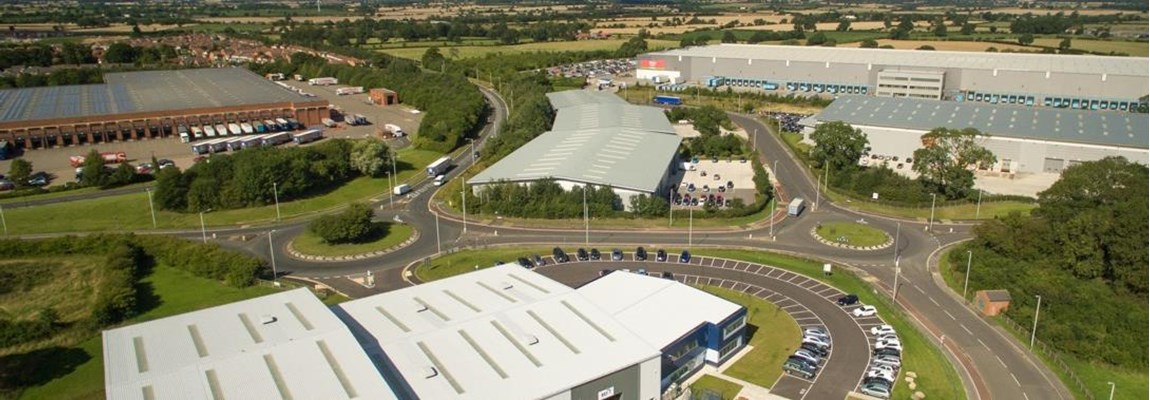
[897, 270]
[152, 206]
[438, 241]
[390, 191]
[1035, 328]
[965, 285]
[203, 228]
[1112, 386]
[670, 210]
[690, 226]
[272, 252]
[275, 194]
[463, 194]
[586, 219]
[897, 233]
[930, 224]
[978, 209]
[3, 220]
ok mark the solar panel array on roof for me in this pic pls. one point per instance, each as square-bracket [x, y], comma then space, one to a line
[129, 92]
[1056, 125]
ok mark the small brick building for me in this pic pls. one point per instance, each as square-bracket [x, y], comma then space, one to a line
[383, 97]
[991, 302]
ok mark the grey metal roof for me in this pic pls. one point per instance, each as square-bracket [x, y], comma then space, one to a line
[1047, 124]
[997, 295]
[1134, 66]
[577, 97]
[282, 345]
[617, 157]
[659, 310]
[590, 116]
[128, 92]
[497, 333]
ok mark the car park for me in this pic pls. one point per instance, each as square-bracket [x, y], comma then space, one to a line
[864, 311]
[617, 254]
[641, 254]
[685, 256]
[661, 255]
[582, 255]
[799, 368]
[595, 254]
[559, 255]
[882, 330]
[848, 300]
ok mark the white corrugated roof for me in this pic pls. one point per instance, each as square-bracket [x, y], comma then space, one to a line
[604, 116]
[576, 97]
[498, 333]
[659, 310]
[285, 345]
[1083, 64]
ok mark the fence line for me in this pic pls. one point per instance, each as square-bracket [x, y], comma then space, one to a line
[1053, 354]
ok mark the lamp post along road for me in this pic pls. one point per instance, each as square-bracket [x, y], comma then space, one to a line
[3, 220]
[897, 270]
[438, 241]
[272, 251]
[275, 194]
[978, 209]
[203, 228]
[966, 285]
[690, 226]
[1112, 386]
[1035, 328]
[152, 206]
[586, 219]
[930, 224]
[463, 194]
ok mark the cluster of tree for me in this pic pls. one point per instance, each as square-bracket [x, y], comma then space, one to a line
[116, 294]
[357, 33]
[709, 121]
[94, 173]
[453, 107]
[768, 36]
[57, 77]
[123, 53]
[1084, 250]
[18, 331]
[942, 164]
[531, 115]
[543, 199]
[352, 225]
[503, 66]
[250, 178]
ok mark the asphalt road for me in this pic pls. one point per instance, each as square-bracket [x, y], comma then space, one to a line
[993, 366]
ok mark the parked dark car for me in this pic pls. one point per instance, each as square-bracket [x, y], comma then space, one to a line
[39, 179]
[560, 256]
[661, 255]
[887, 351]
[641, 254]
[617, 255]
[668, 275]
[525, 263]
[821, 351]
[539, 262]
[582, 255]
[595, 255]
[847, 300]
[605, 272]
[685, 256]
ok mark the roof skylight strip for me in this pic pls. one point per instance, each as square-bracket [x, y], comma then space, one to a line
[588, 321]
[519, 346]
[337, 369]
[399, 324]
[553, 332]
[439, 366]
[483, 353]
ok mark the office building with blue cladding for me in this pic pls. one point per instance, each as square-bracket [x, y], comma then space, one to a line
[146, 105]
[1084, 82]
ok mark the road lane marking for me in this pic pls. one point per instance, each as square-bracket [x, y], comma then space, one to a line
[932, 301]
[983, 344]
[967, 330]
[1001, 362]
[951, 316]
[1024, 395]
[1016, 380]
[918, 289]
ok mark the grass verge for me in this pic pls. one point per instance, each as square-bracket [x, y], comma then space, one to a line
[385, 235]
[773, 336]
[1128, 383]
[937, 378]
[989, 210]
[130, 212]
[851, 233]
[79, 374]
[726, 390]
[471, 260]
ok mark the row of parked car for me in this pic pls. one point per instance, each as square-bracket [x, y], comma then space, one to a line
[887, 354]
[811, 354]
[616, 255]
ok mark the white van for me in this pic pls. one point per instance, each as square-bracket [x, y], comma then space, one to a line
[440, 179]
[401, 189]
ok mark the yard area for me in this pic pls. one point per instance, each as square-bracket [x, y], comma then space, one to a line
[726, 390]
[774, 335]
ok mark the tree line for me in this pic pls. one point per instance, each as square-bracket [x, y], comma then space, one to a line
[709, 121]
[1084, 250]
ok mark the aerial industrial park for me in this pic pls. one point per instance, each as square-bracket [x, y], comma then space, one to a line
[609, 201]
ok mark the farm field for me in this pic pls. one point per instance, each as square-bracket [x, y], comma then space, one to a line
[951, 45]
[1135, 49]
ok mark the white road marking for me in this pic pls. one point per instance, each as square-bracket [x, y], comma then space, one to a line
[932, 301]
[951, 316]
[1024, 395]
[1001, 362]
[919, 289]
[983, 344]
[964, 328]
[1016, 380]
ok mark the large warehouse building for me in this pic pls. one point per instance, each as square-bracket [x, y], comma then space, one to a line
[146, 105]
[1025, 140]
[497, 333]
[1039, 80]
[597, 139]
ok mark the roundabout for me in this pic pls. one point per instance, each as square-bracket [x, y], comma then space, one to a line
[386, 238]
[851, 235]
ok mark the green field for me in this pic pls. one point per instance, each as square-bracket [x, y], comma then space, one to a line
[989, 210]
[726, 390]
[937, 378]
[851, 233]
[416, 53]
[775, 336]
[77, 371]
[471, 260]
[1132, 48]
[131, 212]
[743, 34]
[386, 235]
[1129, 384]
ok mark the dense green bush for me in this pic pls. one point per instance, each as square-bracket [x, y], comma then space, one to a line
[208, 261]
[115, 285]
[349, 226]
[531, 115]
[543, 199]
[24, 331]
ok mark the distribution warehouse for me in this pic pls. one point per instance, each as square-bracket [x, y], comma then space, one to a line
[498, 333]
[1038, 80]
[597, 139]
[151, 104]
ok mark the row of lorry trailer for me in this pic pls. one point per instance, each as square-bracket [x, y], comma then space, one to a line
[249, 141]
[188, 134]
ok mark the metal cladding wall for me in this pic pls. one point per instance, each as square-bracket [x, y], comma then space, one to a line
[148, 125]
[1002, 79]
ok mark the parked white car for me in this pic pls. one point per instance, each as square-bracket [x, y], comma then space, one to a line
[886, 344]
[882, 330]
[888, 360]
[864, 311]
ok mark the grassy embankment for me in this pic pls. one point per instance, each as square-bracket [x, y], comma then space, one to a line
[851, 233]
[774, 335]
[385, 235]
[1132, 384]
[131, 212]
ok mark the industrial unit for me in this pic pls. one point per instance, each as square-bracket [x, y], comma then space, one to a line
[150, 104]
[1037, 80]
[596, 139]
[1024, 139]
[498, 333]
